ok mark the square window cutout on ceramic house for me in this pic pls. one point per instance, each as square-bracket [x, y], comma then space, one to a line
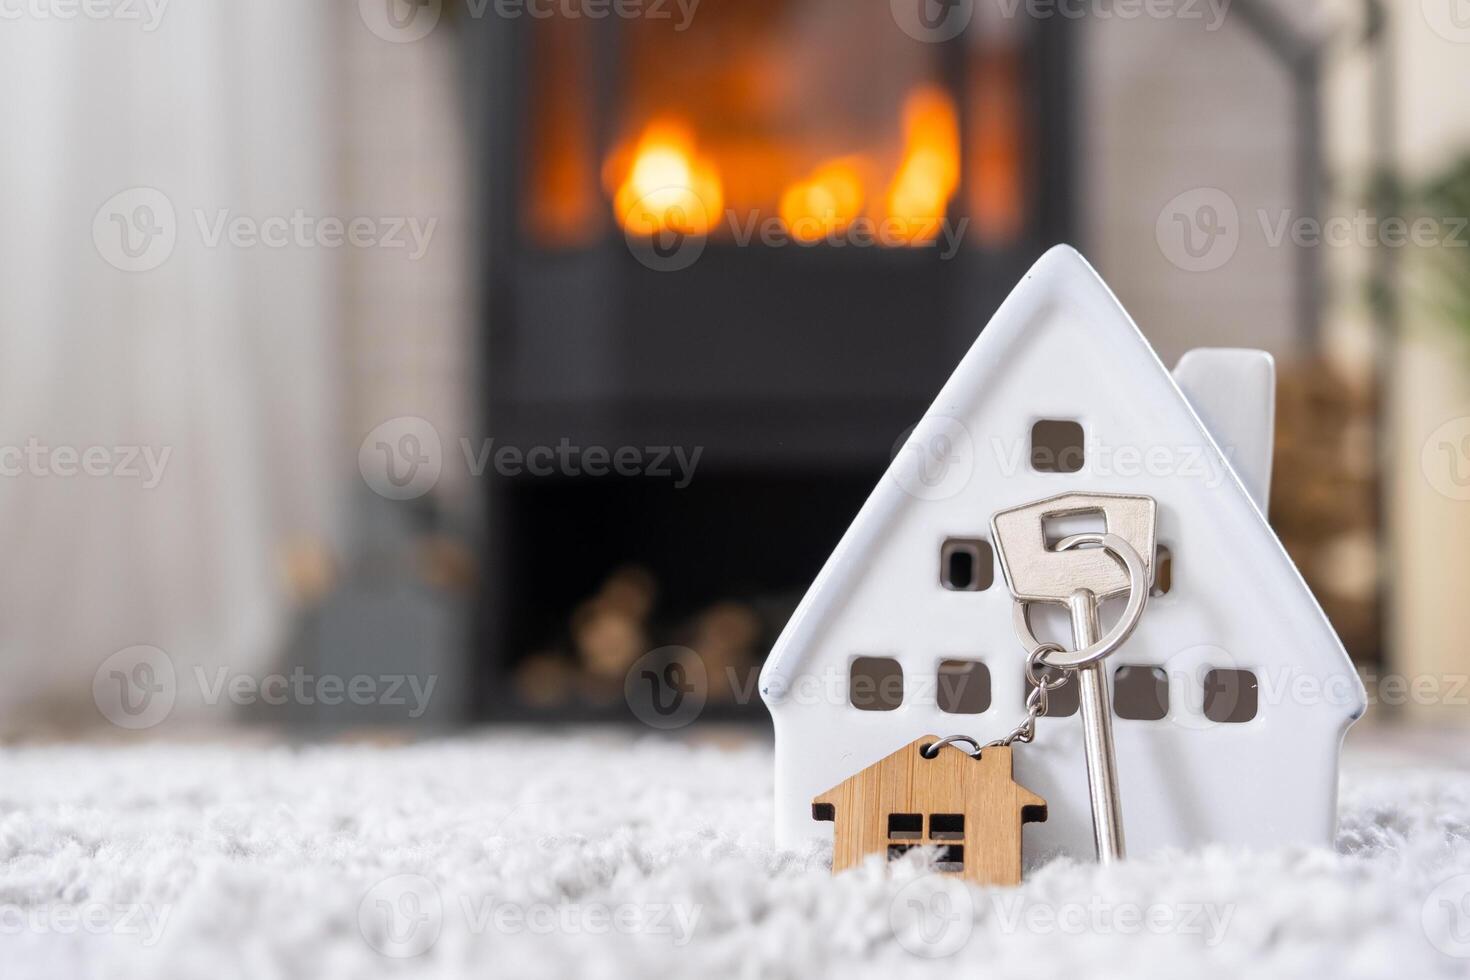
[967, 565]
[963, 687]
[875, 684]
[1163, 571]
[1232, 697]
[1141, 693]
[1057, 446]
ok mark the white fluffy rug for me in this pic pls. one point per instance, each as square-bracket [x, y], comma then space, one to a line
[596, 856]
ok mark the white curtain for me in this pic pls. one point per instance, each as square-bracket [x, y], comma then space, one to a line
[221, 357]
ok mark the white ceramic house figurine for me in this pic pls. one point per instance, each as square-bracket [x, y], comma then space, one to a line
[1243, 691]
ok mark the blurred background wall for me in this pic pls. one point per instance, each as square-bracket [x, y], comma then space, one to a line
[1426, 367]
[225, 358]
[243, 371]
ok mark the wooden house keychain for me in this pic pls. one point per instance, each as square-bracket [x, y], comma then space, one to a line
[930, 792]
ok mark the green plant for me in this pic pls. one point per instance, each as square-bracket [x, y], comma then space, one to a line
[1446, 198]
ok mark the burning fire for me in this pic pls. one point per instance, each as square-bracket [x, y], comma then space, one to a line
[662, 181]
[825, 203]
[667, 185]
[916, 199]
[929, 172]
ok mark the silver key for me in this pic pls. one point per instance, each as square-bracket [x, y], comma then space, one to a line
[1119, 563]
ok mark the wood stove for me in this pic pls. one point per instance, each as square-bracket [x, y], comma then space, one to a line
[856, 202]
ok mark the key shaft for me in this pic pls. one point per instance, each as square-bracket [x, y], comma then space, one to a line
[1079, 571]
[1097, 734]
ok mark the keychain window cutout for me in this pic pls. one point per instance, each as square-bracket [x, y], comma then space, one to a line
[946, 826]
[963, 687]
[905, 826]
[951, 859]
[875, 684]
[1163, 572]
[1141, 693]
[1057, 446]
[967, 565]
[1061, 702]
[1232, 697]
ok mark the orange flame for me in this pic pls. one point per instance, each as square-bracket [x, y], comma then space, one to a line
[929, 172]
[825, 203]
[666, 185]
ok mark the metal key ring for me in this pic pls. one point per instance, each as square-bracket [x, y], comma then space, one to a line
[1034, 659]
[1137, 597]
[931, 750]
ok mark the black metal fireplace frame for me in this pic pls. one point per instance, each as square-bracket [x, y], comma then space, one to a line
[851, 412]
